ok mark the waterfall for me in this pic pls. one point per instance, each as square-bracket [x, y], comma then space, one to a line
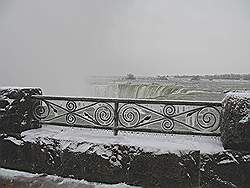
[126, 90]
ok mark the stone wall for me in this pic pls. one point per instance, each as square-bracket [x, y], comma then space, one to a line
[129, 164]
[16, 109]
[114, 163]
[235, 124]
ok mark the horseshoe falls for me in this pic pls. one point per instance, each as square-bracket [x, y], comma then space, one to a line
[153, 91]
[148, 91]
[171, 89]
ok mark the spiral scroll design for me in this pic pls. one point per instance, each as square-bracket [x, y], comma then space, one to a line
[129, 116]
[71, 106]
[167, 125]
[41, 110]
[208, 118]
[165, 116]
[70, 119]
[169, 110]
[104, 114]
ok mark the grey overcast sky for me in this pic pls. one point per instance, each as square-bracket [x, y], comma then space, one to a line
[56, 44]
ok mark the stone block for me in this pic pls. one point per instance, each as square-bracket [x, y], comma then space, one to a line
[16, 109]
[235, 122]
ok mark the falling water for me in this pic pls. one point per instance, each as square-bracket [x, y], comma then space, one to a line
[172, 89]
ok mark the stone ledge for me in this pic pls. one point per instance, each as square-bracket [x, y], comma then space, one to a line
[134, 159]
[235, 124]
[16, 179]
[97, 162]
[16, 109]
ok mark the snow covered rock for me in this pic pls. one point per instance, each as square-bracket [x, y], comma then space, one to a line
[147, 160]
[16, 109]
[55, 150]
[225, 169]
[17, 179]
[235, 124]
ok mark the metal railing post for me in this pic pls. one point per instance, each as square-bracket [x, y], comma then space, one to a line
[116, 119]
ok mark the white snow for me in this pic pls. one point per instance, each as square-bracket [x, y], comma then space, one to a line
[20, 176]
[14, 140]
[80, 139]
[234, 97]
[246, 158]
[10, 174]
[17, 87]
[245, 119]
[241, 94]
[226, 161]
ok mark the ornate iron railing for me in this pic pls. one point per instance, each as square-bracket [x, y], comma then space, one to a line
[159, 116]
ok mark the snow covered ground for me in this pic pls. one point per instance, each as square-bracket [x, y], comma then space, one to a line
[19, 179]
[72, 139]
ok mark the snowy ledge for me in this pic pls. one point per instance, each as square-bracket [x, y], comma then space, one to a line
[80, 139]
[241, 94]
[24, 179]
[146, 160]
[235, 122]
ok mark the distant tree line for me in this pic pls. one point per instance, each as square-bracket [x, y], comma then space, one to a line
[219, 76]
[131, 76]
[162, 77]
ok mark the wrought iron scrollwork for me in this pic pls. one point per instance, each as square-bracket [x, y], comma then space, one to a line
[208, 118]
[71, 106]
[129, 116]
[70, 119]
[104, 114]
[169, 110]
[41, 109]
[167, 125]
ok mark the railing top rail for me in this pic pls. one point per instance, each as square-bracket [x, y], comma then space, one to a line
[127, 100]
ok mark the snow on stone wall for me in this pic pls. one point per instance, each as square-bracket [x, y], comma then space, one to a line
[235, 124]
[16, 109]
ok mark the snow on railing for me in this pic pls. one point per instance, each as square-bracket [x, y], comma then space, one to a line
[143, 115]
